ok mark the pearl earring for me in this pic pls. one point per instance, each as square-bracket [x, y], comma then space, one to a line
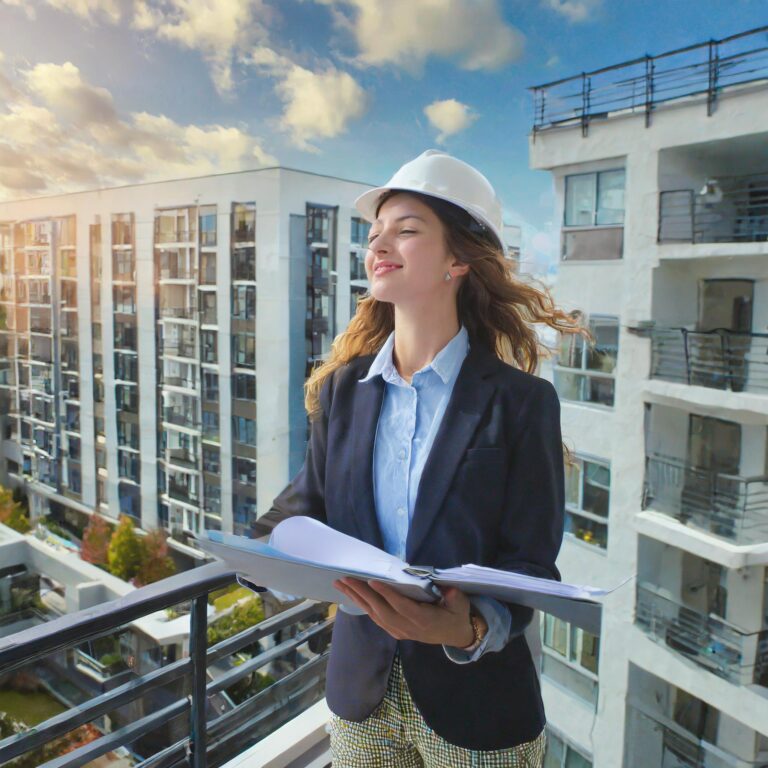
[447, 276]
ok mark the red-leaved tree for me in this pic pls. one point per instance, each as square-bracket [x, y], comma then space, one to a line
[155, 562]
[96, 541]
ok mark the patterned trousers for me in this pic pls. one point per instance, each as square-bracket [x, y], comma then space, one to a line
[395, 735]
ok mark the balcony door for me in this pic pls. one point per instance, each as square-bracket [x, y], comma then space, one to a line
[724, 306]
[714, 450]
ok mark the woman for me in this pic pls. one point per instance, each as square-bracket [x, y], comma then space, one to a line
[426, 443]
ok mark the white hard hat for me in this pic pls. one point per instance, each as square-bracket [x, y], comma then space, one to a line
[438, 174]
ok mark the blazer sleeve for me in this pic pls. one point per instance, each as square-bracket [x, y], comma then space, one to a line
[305, 494]
[532, 528]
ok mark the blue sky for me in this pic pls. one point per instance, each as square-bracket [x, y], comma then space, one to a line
[104, 92]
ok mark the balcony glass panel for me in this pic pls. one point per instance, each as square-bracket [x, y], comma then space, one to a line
[713, 643]
[726, 505]
[725, 210]
[717, 359]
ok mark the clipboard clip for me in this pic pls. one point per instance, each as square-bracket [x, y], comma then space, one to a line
[422, 571]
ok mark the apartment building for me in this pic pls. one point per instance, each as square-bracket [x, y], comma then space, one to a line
[660, 168]
[146, 331]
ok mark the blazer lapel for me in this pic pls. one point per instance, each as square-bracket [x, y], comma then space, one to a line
[369, 396]
[468, 401]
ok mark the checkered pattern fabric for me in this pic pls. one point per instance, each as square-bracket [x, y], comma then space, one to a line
[395, 735]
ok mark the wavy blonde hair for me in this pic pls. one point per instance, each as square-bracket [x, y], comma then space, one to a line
[498, 309]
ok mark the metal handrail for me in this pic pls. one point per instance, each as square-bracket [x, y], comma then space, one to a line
[639, 85]
[31, 645]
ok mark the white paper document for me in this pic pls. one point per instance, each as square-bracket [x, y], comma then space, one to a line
[304, 557]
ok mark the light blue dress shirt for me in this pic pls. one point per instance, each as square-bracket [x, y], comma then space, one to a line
[408, 422]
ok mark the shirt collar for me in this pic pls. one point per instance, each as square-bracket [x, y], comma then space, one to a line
[446, 363]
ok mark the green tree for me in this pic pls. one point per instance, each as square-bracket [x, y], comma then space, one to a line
[125, 552]
[12, 512]
[241, 617]
[155, 562]
[96, 538]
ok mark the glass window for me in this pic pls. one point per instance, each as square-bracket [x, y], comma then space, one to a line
[360, 229]
[211, 462]
[595, 382]
[211, 386]
[244, 386]
[244, 471]
[208, 225]
[244, 430]
[610, 197]
[594, 199]
[208, 349]
[124, 299]
[244, 350]
[243, 302]
[587, 489]
[244, 222]
[244, 264]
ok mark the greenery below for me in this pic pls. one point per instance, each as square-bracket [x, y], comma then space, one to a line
[241, 618]
[29, 707]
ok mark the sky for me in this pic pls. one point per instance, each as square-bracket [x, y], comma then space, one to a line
[99, 93]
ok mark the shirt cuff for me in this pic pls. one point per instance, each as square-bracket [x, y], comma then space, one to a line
[499, 620]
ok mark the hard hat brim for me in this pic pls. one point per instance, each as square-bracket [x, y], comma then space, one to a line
[368, 202]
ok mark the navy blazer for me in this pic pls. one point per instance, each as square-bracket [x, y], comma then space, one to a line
[491, 493]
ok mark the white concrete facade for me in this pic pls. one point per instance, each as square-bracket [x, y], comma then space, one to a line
[682, 148]
[280, 196]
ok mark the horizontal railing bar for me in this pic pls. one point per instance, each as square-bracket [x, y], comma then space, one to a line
[31, 644]
[67, 721]
[246, 668]
[644, 59]
[269, 626]
[88, 752]
[220, 729]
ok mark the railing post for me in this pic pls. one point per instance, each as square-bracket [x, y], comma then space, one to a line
[586, 84]
[648, 89]
[198, 646]
[687, 357]
[713, 72]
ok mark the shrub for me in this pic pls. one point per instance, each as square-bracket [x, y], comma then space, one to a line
[125, 552]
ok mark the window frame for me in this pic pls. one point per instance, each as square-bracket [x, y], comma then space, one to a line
[582, 370]
[595, 207]
[579, 510]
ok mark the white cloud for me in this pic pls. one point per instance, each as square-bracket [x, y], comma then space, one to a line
[24, 5]
[90, 10]
[449, 117]
[61, 133]
[574, 10]
[223, 31]
[317, 105]
[405, 33]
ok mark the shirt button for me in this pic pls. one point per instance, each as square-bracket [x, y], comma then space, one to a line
[401, 511]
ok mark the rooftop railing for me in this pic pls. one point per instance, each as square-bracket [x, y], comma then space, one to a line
[728, 506]
[713, 643]
[718, 359]
[642, 84]
[299, 639]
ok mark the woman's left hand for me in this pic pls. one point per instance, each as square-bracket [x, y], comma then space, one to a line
[443, 623]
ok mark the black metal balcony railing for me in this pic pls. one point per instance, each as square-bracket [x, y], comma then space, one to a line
[719, 359]
[654, 741]
[728, 651]
[641, 85]
[740, 216]
[729, 506]
[213, 736]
